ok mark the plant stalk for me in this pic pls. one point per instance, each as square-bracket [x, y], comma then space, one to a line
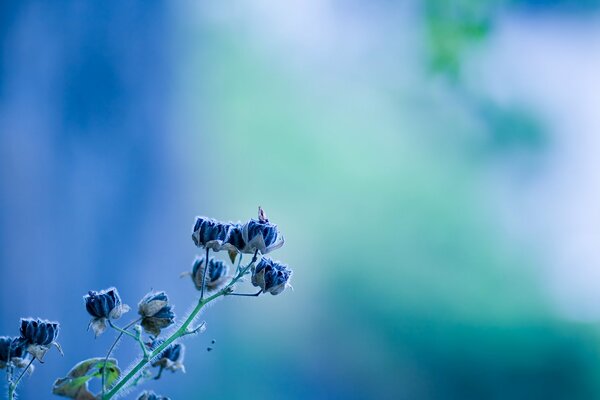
[182, 331]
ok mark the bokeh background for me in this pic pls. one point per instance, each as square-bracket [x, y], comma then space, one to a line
[433, 166]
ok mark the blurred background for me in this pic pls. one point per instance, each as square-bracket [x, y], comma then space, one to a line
[432, 164]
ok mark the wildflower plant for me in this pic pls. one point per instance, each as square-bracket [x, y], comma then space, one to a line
[212, 279]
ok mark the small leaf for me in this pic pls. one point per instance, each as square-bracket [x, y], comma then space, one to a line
[75, 384]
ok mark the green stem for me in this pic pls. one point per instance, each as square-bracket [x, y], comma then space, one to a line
[13, 385]
[112, 348]
[182, 331]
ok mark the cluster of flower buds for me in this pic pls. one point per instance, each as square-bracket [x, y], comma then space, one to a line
[256, 235]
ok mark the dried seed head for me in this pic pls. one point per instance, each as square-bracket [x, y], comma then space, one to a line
[216, 276]
[38, 335]
[209, 233]
[156, 312]
[271, 276]
[103, 305]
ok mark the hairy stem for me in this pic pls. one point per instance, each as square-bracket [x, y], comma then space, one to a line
[204, 275]
[182, 331]
[112, 347]
[12, 387]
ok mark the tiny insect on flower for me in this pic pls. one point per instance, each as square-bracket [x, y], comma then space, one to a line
[103, 305]
[156, 312]
[38, 335]
[271, 276]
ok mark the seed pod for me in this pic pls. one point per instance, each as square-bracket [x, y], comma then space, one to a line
[259, 234]
[38, 335]
[209, 233]
[103, 305]
[216, 275]
[271, 276]
[156, 312]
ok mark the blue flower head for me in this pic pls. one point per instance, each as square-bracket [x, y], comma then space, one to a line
[103, 305]
[271, 276]
[216, 275]
[38, 335]
[209, 233]
[259, 234]
[10, 350]
[156, 312]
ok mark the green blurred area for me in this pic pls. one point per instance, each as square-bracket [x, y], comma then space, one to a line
[406, 284]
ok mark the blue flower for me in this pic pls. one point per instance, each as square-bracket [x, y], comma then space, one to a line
[10, 350]
[259, 234]
[156, 312]
[103, 305]
[209, 233]
[38, 335]
[271, 276]
[216, 275]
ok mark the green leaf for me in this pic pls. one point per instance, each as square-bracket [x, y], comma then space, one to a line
[75, 384]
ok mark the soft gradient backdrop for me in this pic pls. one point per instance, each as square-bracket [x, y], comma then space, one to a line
[432, 164]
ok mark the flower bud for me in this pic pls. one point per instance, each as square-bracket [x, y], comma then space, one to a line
[259, 234]
[156, 312]
[271, 276]
[103, 305]
[215, 276]
[149, 395]
[209, 233]
[38, 335]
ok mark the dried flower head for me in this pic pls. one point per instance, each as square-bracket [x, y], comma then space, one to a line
[38, 335]
[216, 275]
[259, 234]
[209, 233]
[234, 241]
[271, 276]
[156, 312]
[149, 395]
[11, 351]
[103, 305]
[170, 358]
